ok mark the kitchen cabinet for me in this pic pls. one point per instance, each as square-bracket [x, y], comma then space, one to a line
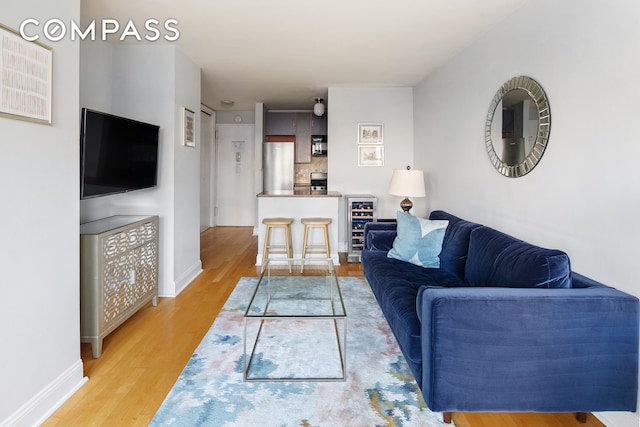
[302, 124]
[318, 124]
[361, 209]
[280, 123]
[303, 137]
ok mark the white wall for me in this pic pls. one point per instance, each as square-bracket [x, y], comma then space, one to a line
[96, 75]
[584, 196]
[186, 201]
[152, 83]
[39, 308]
[393, 107]
[235, 117]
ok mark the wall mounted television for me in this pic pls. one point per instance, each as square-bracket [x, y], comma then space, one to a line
[117, 154]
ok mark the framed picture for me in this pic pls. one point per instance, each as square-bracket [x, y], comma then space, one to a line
[370, 155]
[370, 133]
[26, 71]
[188, 128]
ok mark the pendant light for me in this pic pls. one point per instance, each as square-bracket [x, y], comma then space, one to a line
[318, 108]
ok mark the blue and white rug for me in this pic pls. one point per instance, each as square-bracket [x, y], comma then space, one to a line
[379, 390]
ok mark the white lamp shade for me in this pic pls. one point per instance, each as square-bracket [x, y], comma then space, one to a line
[407, 183]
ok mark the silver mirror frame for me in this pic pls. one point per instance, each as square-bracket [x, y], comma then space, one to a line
[537, 94]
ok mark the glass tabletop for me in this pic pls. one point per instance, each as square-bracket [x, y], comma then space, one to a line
[288, 288]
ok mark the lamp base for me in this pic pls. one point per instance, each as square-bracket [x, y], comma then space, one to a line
[406, 205]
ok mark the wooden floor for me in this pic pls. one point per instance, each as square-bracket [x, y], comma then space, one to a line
[142, 359]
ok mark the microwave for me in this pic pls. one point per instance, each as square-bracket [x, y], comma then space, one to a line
[318, 145]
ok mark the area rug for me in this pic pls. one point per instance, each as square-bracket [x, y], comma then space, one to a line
[379, 389]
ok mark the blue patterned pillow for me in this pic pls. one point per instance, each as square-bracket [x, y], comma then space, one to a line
[419, 241]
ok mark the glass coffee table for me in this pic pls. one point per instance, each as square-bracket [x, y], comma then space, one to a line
[295, 325]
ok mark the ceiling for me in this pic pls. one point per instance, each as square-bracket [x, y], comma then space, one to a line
[285, 53]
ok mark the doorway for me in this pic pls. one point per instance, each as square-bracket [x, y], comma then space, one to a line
[207, 168]
[235, 195]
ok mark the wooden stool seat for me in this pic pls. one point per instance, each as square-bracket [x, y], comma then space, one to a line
[316, 221]
[277, 221]
[269, 249]
[315, 249]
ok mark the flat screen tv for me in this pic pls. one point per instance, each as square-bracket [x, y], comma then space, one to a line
[116, 154]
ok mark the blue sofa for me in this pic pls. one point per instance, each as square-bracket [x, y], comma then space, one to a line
[505, 326]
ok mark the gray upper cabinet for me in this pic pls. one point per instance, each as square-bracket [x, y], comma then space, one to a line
[318, 125]
[303, 137]
[279, 123]
[301, 124]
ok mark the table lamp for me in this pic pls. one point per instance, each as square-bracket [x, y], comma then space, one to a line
[407, 183]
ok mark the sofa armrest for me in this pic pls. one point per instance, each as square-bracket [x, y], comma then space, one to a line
[379, 235]
[543, 350]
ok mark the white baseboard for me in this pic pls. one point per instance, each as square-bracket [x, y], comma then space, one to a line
[49, 399]
[185, 280]
[618, 419]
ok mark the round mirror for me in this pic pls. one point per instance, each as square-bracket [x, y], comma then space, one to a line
[517, 127]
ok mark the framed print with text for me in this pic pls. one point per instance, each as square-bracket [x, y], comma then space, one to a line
[26, 78]
[188, 128]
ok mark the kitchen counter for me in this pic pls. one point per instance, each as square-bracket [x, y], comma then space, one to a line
[303, 193]
[297, 205]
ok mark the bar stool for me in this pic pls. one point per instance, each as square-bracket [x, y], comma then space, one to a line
[315, 249]
[287, 248]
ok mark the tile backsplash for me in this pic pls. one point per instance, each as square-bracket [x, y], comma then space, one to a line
[303, 170]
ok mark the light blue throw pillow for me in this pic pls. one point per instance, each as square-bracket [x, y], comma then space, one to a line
[419, 241]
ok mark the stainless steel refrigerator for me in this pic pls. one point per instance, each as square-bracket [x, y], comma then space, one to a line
[277, 165]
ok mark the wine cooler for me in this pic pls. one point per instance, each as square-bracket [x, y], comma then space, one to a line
[361, 209]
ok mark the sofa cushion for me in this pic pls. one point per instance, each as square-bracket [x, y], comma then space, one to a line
[496, 259]
[382, 272]
[395, 285]
[418, 240]
[455, 245]
[379, 236]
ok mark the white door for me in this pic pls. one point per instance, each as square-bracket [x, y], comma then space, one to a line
[207, 169]
[235, 194]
